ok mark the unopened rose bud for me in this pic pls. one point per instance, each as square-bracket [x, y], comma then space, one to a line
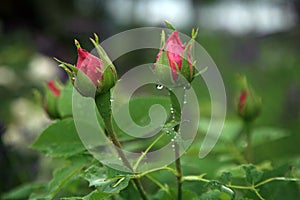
[173, 59]
[96, 73]
[248, 103]
[52, 94]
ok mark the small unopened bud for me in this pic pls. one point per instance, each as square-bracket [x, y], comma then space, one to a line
[248, 103]
[52, 93]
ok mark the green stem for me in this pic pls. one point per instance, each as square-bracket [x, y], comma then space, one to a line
[236, 153]
[156, 182]
[154, 170]
[179, 172]
[177, 116]
[104, 106]
[249, 151]
[146, 151]
[276, 179]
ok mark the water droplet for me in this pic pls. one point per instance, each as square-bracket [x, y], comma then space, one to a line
[184, 102]
[159, 87]
[173, 146]
[188, 86]
[175, 137]
[172, 140]
[111, 99]
[120, 158]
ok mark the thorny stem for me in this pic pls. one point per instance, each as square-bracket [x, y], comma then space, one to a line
[104, 106]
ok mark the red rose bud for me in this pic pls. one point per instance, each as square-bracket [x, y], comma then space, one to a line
[249, 104]
[52, 93]
[53, 88]
[171, 60]
[97, 73]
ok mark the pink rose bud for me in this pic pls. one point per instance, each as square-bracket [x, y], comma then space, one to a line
[97, 72]
[90, 65]
[176, 57]
[248, 103]
[52, 93]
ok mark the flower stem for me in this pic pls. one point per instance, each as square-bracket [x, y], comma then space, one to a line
[146, 151]
[104, 106]
[249, 151]
[179, 172]
[177, 116]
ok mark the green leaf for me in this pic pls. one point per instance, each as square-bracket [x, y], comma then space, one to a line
[226, 177]
[95, 195]
[64, 104]
[97, 176]
[139, 111]
[130, 193]
[22, 191]
[229, 132]
[59, 140]
[215, 195]
[252, 174]
[268, 134]
[62, 176]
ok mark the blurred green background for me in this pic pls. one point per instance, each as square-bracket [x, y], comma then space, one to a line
[258, 38]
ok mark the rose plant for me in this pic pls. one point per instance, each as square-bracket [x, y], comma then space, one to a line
[81, 176]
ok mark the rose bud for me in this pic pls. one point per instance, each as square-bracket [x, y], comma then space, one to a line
[173, 59]
[52, 94]
[91, 73]
[248, 103]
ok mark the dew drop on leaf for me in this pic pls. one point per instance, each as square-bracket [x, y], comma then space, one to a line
[159, 87]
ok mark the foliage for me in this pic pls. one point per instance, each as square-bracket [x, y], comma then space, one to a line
[233, 170]
[83, 177]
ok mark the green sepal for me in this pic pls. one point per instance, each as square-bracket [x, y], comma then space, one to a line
[110, 74]
[69, 68]
[50, 104]
[195, 33]
[169, 25]
[102, 54]
[163, 70]
[84, 85]
[109, 80]
[162, 40]
[185, 66]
